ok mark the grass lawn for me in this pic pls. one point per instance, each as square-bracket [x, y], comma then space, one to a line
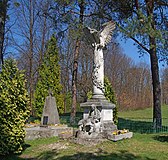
[141, 120]
[143, 114]
[140, 147]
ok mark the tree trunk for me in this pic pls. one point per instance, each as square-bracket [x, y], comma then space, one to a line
[157, 117]
[44, 30]
[75, 67]
[31, 57]
[74, 84]
[3, 14]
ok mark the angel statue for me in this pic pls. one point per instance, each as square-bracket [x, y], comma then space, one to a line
[98, 40]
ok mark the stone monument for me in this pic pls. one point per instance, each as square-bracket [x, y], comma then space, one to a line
[94, 126]
[50, 114]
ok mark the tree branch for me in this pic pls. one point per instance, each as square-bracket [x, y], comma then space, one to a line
[134, 39]
[140, 44]
[161, 3]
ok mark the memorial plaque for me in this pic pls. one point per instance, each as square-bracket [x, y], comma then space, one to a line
[45, 120]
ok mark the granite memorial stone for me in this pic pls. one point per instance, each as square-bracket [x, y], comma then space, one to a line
[50, 114]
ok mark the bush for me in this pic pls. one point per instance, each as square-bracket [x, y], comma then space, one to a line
[110, 95]
[13, 108]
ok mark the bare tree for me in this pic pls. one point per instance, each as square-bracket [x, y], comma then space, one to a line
[3, 17]
[33, 34]
[132, 83]
[85, 71]
[66, 61]
[75, 64]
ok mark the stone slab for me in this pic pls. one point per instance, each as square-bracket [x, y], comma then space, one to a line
[43, 132]
[65, 135]
[120, 136]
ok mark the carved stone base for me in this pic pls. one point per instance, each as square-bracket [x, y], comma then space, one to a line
[104, 106]
[86, 135]
[107, 125]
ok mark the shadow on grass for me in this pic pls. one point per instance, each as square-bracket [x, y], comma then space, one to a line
[161, 138]
[140, 126]
[25, 146]
[99, 155]
[16, 156]
[48, 155]
[123, 155]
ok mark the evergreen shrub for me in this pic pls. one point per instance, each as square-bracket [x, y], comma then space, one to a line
[49, 79]
[13, 108]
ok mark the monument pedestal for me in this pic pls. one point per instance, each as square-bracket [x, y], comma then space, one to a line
[106, 112]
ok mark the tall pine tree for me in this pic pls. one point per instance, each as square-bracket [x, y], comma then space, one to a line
[49, 79]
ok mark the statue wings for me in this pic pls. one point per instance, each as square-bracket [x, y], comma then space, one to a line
[106, 33]
[91, 36]
[102, 37]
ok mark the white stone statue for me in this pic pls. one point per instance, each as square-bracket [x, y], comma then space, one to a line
[98, 40]
[92, 122]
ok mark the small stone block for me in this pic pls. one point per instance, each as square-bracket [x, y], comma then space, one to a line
[120, 136]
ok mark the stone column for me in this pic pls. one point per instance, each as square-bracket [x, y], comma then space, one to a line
[98, 73]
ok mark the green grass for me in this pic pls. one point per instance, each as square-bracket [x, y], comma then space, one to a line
[33, 148]
[32, 145]
[140, 147]
[143, 114]
[141, 121]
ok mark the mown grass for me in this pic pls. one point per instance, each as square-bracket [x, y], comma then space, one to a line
[143, 114]
[141, 120]
[140, 147]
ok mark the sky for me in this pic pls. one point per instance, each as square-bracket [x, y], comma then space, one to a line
[131, 51]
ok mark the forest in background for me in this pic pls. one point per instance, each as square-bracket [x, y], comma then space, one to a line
[29, 27]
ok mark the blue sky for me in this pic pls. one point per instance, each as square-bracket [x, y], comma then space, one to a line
[131, 51]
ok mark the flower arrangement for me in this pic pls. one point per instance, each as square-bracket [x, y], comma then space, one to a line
[118, 132]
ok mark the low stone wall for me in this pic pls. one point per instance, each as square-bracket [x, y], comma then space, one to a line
[45, 132]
